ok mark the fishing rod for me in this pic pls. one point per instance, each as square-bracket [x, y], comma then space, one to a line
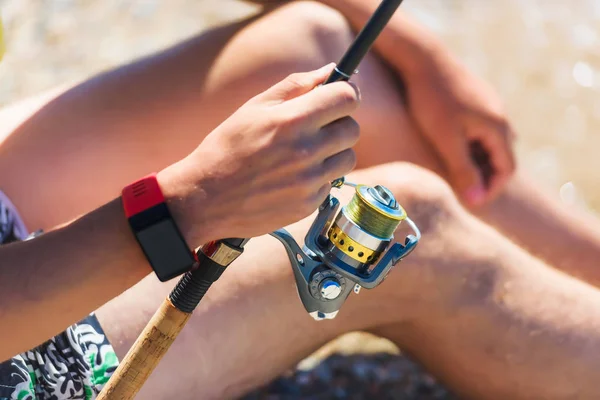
[364, 41]
[342, 251]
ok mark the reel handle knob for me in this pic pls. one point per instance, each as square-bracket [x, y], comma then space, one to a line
[331, 288]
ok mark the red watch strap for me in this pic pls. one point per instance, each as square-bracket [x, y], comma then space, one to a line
[141, 195]
[155, 230]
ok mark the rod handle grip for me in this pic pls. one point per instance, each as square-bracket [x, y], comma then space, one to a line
[145, 354]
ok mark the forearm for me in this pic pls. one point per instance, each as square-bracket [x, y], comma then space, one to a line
[49, 283]
[52, 281]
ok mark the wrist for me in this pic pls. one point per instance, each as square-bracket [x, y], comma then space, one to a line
[158, 223]
[188, 205]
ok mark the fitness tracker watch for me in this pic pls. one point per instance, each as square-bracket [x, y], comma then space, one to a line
[155, 230]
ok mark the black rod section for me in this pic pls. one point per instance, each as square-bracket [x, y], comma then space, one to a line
[363, 42]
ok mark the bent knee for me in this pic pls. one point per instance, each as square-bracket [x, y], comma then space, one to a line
[326, 26]
[311, 29]
[255, 54]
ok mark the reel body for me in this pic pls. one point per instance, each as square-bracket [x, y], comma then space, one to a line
[346, 250]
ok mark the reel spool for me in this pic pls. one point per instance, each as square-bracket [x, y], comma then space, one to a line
[344, 251]
[364, 228]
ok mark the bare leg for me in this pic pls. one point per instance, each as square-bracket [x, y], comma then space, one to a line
[488, 319]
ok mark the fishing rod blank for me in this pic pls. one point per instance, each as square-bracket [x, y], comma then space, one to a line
[363, 42]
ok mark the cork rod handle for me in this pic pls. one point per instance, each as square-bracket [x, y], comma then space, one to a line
[146, 353]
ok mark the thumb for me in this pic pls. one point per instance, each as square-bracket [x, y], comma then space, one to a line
[296, 85]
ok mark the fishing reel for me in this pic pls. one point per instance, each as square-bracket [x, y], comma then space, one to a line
[346, 250]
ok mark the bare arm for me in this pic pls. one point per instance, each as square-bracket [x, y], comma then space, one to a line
[235, 184]
[52, 281]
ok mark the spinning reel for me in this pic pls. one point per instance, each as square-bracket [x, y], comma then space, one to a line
[346, 250]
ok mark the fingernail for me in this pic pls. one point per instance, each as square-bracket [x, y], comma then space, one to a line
[326, 67]
[475, 195]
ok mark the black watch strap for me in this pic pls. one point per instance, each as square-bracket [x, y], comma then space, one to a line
[155, 230]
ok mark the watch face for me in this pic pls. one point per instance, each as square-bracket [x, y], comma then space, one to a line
[165, 249]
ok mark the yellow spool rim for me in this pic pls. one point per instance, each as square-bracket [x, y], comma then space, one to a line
[337, 236]
[378, 210]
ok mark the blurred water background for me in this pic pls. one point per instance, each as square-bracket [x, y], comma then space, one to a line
[543, 57]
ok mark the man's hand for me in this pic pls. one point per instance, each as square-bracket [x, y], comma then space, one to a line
[464, 121]
[269, 164]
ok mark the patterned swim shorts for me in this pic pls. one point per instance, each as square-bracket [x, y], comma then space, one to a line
[72, 365]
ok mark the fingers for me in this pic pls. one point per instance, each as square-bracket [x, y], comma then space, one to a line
[325, 104]
[334, 167]
[333, 155]
[310, 187]
[498, 146]
[322, 194]
[463, 171]
[338, 165]
[296, 85]
[336, 137]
